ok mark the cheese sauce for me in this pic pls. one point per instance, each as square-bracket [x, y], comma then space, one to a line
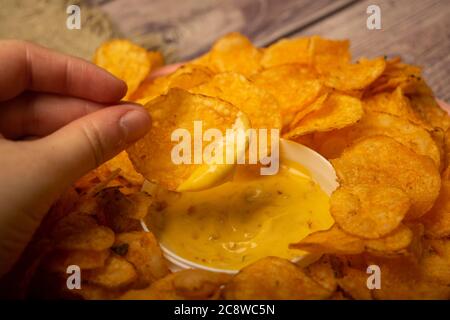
[241, 221]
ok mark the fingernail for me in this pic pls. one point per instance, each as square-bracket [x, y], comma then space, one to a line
[135, 124]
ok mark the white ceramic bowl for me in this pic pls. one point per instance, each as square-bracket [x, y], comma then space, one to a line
[321, 171]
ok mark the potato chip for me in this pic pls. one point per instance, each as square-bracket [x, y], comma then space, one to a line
[156, 59]
[287, 51]
[112, 210]
[353, 261]
[95, 180]
[331, 144]
[108, 180]
[327, 53]
[338, 111]
[120, 223]
[437, 220]
[410, 135]
[127, 171]
[213, 173]
[382, 160]
[305, 140]
[403, 131]
[143, 251]
[323, 273]
[354, 283]
[189, 76]
[141, 203]
[151, 155]
[234, 53]
[200, 285]
[259, 105]
[446, 148]
[125, 60]
[339, 295]
[315, 106]
[398, 74]
[351, 77]
[401, 279]
[337, 241]
[430, 111]
[396, 104]
[150, 89]
[117, 273]
[413, 136]
[438, 136]
[415, 248]
[274, 279]
[114, 202]
[333, 240]
[435, 263]
[395, 243]
[203, 60]
[368, 210]
[294, 87]
[94, 292]
[185, 77]
[59, 260]
[81, 232]
[188, 284]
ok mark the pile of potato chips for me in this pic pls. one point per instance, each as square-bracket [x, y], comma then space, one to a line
[375, 119]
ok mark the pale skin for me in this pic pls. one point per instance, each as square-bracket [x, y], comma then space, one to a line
[71, 109]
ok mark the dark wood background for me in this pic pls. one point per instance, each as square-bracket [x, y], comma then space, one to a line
[417, 30]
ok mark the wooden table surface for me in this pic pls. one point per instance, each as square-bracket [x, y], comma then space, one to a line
[417, 30]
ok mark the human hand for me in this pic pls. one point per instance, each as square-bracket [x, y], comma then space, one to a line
[72, 109]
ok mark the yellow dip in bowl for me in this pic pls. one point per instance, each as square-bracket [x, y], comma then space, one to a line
[253, 216]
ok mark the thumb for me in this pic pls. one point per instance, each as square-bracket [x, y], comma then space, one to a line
[36, 172]
[89, 141]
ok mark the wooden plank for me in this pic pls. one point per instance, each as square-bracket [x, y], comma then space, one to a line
[185, 29]
[417, 30]
[44, 22]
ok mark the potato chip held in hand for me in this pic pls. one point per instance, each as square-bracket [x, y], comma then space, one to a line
[178, 109]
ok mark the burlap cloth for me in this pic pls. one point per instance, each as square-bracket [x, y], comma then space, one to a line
[44, 22]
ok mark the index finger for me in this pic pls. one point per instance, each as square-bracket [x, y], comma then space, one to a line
[26, 66]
